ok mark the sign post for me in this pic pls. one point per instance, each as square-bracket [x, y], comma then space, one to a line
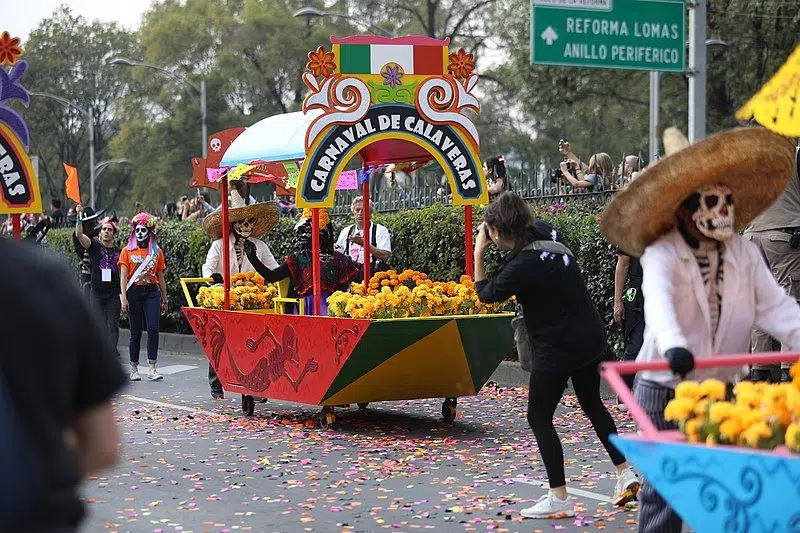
[615, 34]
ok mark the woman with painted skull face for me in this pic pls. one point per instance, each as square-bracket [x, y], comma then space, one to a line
[337, 269]
[705, 286]
[143, 290]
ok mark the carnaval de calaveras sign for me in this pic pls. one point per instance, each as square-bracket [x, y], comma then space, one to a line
[18, 182]
[392, 93]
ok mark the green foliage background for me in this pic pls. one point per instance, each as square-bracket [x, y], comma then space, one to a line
[430, 240]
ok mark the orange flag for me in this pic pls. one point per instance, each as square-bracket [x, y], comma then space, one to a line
[71, 184]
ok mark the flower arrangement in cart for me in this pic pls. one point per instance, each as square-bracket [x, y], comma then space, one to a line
[760, 415]
[410, 294]
[248, 292]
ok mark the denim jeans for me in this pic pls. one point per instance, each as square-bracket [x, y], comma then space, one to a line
[144, 307]
[110, 307]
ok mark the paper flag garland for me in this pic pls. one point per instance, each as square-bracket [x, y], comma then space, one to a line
[347, 181]
[239, 170]
[776, 105]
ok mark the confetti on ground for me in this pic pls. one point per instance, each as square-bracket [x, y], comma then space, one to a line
[395, 466]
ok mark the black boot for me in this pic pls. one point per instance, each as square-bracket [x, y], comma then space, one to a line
[760, 374]
[785, 377]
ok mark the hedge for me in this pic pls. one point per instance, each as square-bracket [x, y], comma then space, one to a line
[430, 240]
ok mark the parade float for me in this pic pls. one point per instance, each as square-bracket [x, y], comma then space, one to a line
[19, 183]
[403, 101]
[734, 464]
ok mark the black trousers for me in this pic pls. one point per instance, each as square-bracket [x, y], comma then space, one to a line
[110, 308]
[633, 337]
[213, 380]
[546, 389]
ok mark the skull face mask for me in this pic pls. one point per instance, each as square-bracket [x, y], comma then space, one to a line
[714, 216]
[142, 233]
[243, 228]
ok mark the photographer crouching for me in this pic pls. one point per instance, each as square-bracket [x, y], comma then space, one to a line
[565, 331]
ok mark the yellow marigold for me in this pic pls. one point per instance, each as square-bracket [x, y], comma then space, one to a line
[688, 389]
[701, 407]
[714, 389]
[793, 436]
[730, 429]
[720, 411]
[753, 435]
[692, 429]
[679, 409]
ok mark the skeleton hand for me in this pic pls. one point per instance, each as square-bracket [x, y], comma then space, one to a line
[251, 345]
[311, 365]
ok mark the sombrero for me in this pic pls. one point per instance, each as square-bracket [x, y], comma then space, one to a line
[266, 215]
[754, 163]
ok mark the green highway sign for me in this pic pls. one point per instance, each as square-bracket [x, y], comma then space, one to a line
[617, 34]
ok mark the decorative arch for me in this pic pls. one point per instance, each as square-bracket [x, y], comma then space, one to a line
[447, 143]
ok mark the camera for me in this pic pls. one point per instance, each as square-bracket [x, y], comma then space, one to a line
[556, 174]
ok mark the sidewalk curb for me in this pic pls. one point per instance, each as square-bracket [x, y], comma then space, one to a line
[508, 374]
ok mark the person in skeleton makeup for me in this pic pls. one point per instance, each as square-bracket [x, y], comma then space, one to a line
[247, 224]
[143, 291]
[338, 270]
[705, 286]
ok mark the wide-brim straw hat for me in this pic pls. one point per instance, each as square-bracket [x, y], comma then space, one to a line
[266, 215]
[754, 163]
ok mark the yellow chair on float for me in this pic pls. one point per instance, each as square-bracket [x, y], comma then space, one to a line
[278, 303]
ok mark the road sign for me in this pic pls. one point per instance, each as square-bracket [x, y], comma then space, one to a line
[618, 34]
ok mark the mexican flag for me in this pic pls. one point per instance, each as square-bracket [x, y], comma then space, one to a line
[370, 58]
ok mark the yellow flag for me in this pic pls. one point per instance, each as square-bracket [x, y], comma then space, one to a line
[239, 170]
[776, 106]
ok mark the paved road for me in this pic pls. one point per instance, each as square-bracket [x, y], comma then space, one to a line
[191, 463]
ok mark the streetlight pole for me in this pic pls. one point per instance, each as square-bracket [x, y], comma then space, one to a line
[697, 70]
[655, 82]
[311, 12]
[201, 91]
[90, 116]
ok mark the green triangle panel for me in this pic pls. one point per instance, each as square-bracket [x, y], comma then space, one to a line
[487, 341]
[381, 341]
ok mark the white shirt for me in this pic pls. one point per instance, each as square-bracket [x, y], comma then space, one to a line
[214, 257]
[383, 241]
[677, 311]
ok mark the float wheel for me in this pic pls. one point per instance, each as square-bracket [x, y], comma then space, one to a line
[363, 405]
[248, 405]
[326, 417]
[449, 409]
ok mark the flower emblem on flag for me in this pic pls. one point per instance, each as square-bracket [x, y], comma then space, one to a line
[392, 74]
[9, 49]
[461, 64]
[321, 63]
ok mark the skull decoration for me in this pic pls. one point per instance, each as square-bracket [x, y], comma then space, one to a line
[142, 233]
[714, 216]
[216, 144]
[243, 228]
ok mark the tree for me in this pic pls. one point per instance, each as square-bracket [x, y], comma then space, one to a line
[66, 58]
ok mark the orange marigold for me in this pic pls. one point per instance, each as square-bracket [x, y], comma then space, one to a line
[320, 63]
[461, 64]
[9, 49]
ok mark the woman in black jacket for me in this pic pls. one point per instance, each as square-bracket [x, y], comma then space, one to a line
[566, 334]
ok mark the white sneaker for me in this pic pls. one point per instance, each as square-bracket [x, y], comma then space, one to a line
[135, 375]
[621, 406]
[549, 506]
[152, 375]
[627, 488]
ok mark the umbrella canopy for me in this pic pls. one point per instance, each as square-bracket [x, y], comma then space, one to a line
[276, 138]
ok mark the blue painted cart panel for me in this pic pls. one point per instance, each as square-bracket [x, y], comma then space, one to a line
[721, 489]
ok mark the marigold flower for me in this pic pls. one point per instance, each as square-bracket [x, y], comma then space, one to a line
[461, 64]
[688, 389]
[321, 63]
[714, 389]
